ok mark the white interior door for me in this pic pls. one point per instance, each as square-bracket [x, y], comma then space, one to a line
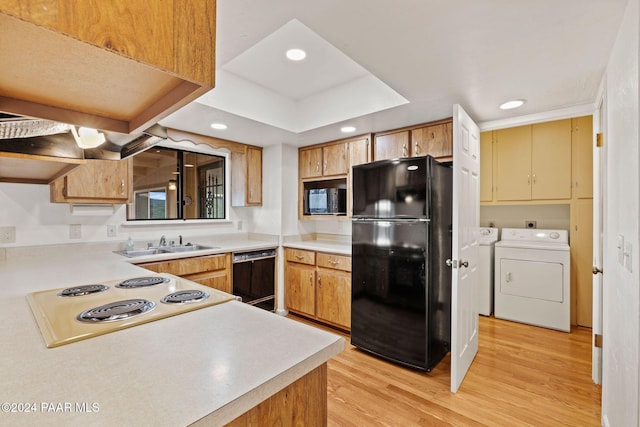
[466, 224]
[599, 175]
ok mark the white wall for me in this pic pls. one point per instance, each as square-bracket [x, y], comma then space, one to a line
[621, 299]
[556, 217]
[40, 222]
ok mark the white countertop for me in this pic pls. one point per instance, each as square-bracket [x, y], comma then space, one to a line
[213, 363]
[336, 247]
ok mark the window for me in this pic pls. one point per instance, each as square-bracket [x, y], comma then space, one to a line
[151, 204]
[176, 184]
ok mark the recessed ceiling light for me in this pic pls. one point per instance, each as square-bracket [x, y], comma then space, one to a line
[509, 105]
[219, 126]
[296, 54]
[348, 129]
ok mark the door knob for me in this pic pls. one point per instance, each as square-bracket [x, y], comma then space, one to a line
[464, 264]
[595, 270]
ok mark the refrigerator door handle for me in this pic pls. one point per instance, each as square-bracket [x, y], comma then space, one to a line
[391, 220]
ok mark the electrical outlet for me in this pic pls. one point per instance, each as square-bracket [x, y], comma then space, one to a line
[529, 223]
[75, 231]
[7, 234]
[111, 230]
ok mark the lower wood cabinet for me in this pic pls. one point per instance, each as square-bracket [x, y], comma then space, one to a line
[213, 271]
[318, 285]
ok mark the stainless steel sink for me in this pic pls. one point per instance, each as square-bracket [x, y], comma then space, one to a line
[141, 252]
[164, 250]
[188, 248]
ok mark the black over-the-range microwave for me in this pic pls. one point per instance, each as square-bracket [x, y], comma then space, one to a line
[325, 201]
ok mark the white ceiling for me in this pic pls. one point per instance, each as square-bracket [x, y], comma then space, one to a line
[433, 53]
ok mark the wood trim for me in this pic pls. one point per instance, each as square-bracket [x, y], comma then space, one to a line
[302, 403]
[337, 141]
[234, 147]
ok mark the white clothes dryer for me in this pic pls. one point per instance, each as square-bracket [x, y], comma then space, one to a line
[487, 240]
[532, 278]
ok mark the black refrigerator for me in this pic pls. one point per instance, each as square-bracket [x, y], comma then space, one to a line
[401, 239]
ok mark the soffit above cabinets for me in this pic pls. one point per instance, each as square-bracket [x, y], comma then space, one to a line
[108, 78]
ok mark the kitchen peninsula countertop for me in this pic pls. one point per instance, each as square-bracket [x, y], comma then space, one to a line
[209, 365]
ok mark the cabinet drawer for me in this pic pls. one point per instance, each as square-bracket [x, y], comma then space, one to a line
[336, 262]
[300, 256]
[187, 266]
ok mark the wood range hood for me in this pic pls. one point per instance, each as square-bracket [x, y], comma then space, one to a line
[118, 66]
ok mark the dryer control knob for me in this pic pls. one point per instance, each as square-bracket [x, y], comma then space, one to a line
[554, 235]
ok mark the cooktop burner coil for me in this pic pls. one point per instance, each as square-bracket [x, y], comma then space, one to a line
[82, 290]
[184, 297]
[141, 282]
[116, 310]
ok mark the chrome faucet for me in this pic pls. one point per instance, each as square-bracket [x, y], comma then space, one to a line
[163, 241]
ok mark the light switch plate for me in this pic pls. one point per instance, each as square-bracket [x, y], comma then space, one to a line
[111, 230]
[7, 234]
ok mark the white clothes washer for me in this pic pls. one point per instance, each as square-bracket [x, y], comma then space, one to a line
[487, 240]
[532, 280]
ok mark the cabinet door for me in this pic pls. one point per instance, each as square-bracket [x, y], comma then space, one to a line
[513, 163]
[551, 160]
[310, 163]
[335, 159]
[581, 260]
[334, 297]
[486, 167]
[218, 280]
[254, 176]
[391, 146]
[582, 156]
[434, 140]
[98, 179]
[300, 288]
[359, 152]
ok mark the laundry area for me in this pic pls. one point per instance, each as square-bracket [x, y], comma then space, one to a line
[529, 269]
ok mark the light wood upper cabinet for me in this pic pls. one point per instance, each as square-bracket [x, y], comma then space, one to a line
[120, 65]
[582, 156]
[327, 160]
[359, 151]
[435, 140]
[310, 162]
[97, 181]
[246, 176]
[336, 159]
[254, 176]
[551, 160]
[391, 145]
[486, 166]
[533, 162]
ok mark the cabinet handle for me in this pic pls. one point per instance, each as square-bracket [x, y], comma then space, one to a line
[534, 178]
[122, 187]
[300, 256]
[417, 149]
[528, 179]
[325, 166]
[319, 283]
[317, 166]
[404, 150]
[311, 279]
[334, 262]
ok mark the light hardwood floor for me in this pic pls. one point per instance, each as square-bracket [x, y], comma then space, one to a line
[522, 376]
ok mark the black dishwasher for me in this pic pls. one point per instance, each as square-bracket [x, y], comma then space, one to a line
[254, 277]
